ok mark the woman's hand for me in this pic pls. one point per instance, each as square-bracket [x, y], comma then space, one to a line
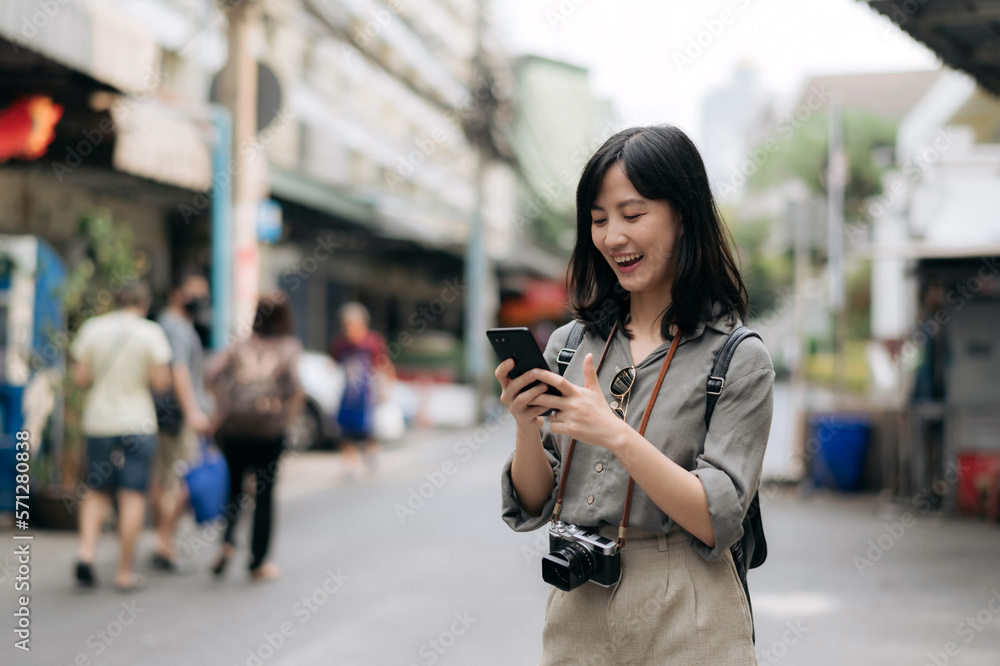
[519, 400]
[583, 412]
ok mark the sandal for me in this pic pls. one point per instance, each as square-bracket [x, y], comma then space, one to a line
[85, 574]
[222, 562]
[136, 582]
[164, 563]
[265, 572]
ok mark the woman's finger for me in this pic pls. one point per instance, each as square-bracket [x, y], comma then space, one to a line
[518, 384]
[528, 397]
[549, 401]
[554, 380]
[502, 373]
[538, 411]
[590, 373]
[512, 398]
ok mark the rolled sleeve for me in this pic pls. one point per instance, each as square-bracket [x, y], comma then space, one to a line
[730, 464]
[513, 513]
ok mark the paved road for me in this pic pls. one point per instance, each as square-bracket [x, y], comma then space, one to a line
[848, 582]
[367, 582]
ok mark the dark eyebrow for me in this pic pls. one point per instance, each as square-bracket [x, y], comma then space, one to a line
[621, 204]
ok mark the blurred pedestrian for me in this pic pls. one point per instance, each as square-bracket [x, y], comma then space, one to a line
[369, 374]
[657, 290]
[119, 357]
[187, 301]
[258, 394]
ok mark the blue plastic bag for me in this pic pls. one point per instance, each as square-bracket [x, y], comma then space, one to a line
[208, 483]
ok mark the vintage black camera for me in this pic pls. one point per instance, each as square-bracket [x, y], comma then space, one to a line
[577, 556]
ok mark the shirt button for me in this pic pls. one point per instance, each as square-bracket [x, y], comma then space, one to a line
[599, 467]
[590, 499]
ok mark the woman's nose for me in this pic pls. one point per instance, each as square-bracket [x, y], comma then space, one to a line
[616, 236]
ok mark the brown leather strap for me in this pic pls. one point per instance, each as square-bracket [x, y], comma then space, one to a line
[572, 443]
[642, 429]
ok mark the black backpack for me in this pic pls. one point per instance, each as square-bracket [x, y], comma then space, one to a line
[751, 550]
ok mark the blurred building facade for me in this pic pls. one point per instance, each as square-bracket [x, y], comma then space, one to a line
[935, 243]
[376, 176]
[795, 207]
[119, 145]
[935, 292]
[558, 124]
[729, 117]
[363, 155]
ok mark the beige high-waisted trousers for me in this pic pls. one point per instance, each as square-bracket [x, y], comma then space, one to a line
[669, 607]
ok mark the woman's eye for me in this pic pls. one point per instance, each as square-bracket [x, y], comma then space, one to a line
[633, 217]
[599, 222]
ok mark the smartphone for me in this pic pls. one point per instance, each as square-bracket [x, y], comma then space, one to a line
[519, 344]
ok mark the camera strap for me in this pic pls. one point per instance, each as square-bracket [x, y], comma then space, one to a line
[623, 526]
[572, 443]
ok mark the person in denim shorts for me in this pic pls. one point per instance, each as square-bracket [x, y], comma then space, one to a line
[119, 357]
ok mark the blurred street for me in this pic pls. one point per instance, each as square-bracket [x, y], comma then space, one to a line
[367, 582]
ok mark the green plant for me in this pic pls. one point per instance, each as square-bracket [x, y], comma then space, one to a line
[803, 156]
[766, 274]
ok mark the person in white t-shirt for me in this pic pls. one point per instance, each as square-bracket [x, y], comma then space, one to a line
[119, 357]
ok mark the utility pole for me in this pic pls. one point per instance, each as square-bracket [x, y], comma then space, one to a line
[799, 214]
[238, 92]
[478, 131]
[836, 183]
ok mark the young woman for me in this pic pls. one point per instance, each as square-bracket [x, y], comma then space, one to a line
[651, 262]
[258, 395]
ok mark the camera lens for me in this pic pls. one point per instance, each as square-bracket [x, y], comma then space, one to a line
[569, 567]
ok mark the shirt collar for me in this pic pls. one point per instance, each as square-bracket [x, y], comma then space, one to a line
[718, 321]
[723, 323]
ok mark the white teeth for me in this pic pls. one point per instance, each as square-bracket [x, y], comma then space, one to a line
[627, 257]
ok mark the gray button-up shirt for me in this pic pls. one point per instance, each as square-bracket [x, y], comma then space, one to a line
[727, 457]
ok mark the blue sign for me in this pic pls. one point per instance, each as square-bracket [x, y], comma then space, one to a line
[269, 221]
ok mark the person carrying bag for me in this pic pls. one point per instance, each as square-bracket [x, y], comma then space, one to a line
[258, 395]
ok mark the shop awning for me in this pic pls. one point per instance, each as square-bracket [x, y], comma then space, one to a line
[91, 36]
[963, 34]
[328, 199]
[157, 141]
[530, 260]
[541, 299]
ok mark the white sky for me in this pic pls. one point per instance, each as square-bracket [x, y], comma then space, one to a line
[630, 46]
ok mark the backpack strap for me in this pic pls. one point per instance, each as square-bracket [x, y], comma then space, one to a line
[717, 379]
[751, 549]
[567, 353]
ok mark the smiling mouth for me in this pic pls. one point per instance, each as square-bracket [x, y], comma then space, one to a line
[628, 260]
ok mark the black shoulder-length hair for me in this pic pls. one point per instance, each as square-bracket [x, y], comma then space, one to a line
[273, 317]
[662, 163]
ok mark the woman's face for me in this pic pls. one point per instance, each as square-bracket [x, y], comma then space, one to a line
[639, 237]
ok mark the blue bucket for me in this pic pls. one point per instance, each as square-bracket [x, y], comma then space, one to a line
[839, 444]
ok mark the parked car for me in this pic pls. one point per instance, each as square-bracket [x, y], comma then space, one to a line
[323, 382]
